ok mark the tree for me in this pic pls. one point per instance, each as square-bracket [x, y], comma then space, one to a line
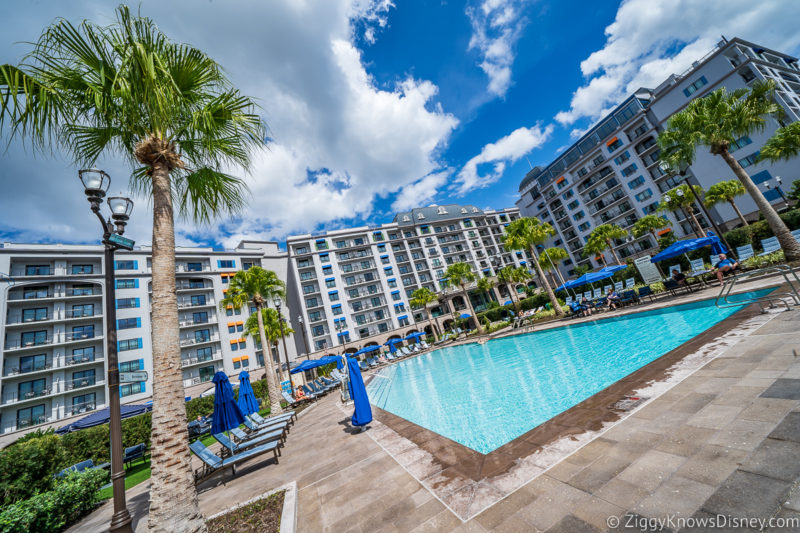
[783, 145]
[506, 276]
[258, 286]
[681, 197]
[549, 260]
[602, 236]
[524, 234]
[649, 224]
[794, 194]
[521, 276]
[421, 298]
[127, 89]
[716, 121]
[726, 191]
[485, 286]
[268, 329]
[461, 274]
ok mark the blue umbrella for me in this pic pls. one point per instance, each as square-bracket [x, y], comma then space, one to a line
[102, 417]
[465, 315]
[507, 302]
[413, 336]
[227, 414]
[363, 412]
[247, 398]
[314, 363]
[613, 268]
[390, 343]
[687, 245]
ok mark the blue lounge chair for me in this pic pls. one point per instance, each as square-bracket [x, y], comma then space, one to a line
[319, 391]
[134, 452]
[289, 416]
[627, 297]
[331, 382]
[292, 402]
[324, 386]
[310, 391]
[230, 447]
[83, 465]
[645, 291]
[213, 463]
[745, 252]
[363, 365]
[770, 245]
[241, 436]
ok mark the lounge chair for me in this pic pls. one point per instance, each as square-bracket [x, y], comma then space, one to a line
[292, 402]
[796, 234]
[316, 389]
[645, 291]
[330, 382]
[83, 465]
[241, 436]
[745, 252]
[325, 386]
[672, 286]
[770, 245]
[289, 416]
[213, 463]
[134, 452]
[198, 428]
[255, 430]
[337, 375]
[627, 297]
[630, 283]
[363, 365]
[425, 344]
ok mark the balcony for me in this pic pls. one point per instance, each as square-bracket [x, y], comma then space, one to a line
[80, 409]
[183, 285]
[209, 302]
[362, 293]
[193, 361]
[32, 295]
[49, 271]
[13, 369]
[192, 341]
[352, 256]
[359, 280]
[197, 380]
[76, 337]
[608, 201]
[80, 383]
[600, 176]
[13, 397]
[182, 268]
[356, 268]
[76, 293]
[23, 423]
[366, 306]
[645, 145]
[600, 191]
[19, 344]
[614, 213]
[10, 371]
[192, 322]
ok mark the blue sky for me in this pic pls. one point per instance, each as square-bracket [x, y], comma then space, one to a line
[375, 106]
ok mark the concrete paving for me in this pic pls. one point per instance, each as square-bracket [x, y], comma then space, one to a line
[723, 440]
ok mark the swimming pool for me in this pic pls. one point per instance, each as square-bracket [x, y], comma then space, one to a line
[483, 396]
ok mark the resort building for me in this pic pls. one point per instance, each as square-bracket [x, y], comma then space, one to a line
[354, 285]
[53, 363]
[611, 175]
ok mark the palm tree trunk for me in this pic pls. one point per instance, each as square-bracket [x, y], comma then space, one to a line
[696, 222]
[738, 213]
[273, 388]
[547, 287]
[791, 248]
[472, 310]
[430, 323]
[613, 252]
[173, 498]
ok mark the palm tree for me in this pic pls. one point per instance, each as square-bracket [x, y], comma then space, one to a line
[485, 286]
[649, 224]
[524, 234]
[596, 247]
[506, 276]
[126, 88]
[522, 275]
[726, 191]
[258, 286]
[421, 298]
[719, 119]
[549, 260]
[604, 235]
[268, 328]
[783, 145]
[681, 197]
[461, 274]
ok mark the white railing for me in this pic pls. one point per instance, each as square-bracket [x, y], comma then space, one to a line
[189, 341]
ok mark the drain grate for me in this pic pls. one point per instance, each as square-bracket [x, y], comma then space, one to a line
[629, 402]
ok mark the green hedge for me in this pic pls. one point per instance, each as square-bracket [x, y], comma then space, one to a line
[27, 467]
[757, 231]
[71, 497]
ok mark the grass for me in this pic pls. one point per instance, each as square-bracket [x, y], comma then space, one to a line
[135, 474]
[261, 516]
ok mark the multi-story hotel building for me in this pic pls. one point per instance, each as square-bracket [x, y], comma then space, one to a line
[53, 364]
[612, 173]
[353, 285]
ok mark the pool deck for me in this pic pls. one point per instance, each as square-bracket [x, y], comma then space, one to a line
[718, 432]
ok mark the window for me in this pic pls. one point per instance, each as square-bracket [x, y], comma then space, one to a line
[330, 283]
[225, 279]
[613, 145]
[312, 302]
[31, 415]
[231, 327]
[334, 296]
[377, 236]
[129, 323]
[301, 250]
[327, 270]
[561, 184]
[34, 338]
[584, 226]
[322, 245]
[196, 284]
[691, 89]
[194, 267]
[127, 283]
[324, 258]
[82, 355]
[226, 263]
[203, 354]
[337, 310]
[37, 270]
[198, 299]
[131, 366]
[126, 265]
[385, 259]
[127, 303]
[247, 266]
[129, 344]
[303, 263]
[579, 215]
[652, 208]
[644, 195]
[82, 269]
[82, 310]
[206, 373]
[32, 363]
[305, 276]
[751, 159]
[567, 195]
[200, 318]
[573, 204]
[637, 182]
[627, 171]
[316, 331]
[396, 295]
[202, 335]
[741, 142]
[127, 389]
[388, 271]
[621, 158]
[582, 172]
[30, 293]
[597, 160]
[309, 288]
[33, 315]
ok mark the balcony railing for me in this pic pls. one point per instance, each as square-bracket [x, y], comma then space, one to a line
[81, 408]
[31, 295]
[80, 383]
[57, 387]
[19, 343]
[189, 341]
[356, 268]
[188, 303]
[28, 422]
[96, 291]
[192, 322]
[189, 361]
[184, 268]
[358, 280]
[614, 213]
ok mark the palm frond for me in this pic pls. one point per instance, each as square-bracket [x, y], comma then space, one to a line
[783, 145]
[205, 193]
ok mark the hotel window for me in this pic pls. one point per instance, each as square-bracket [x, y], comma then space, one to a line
[322, 245]
[614, 145]
[301, 250]
[31, 363]
[337, 310]
[751, 159]
[652, 208]
[638, 182]
[82, 269]
[330, 283]
[303, 263]
[741, 142]
[341, 244]
[83, 355]
[194, 267]
[127, 389]
[198, 299]
[247, 266]
[316, 331]
[327, 270]
[597, 160]
[582, 172]
[324, 258]
[567, 195]
[573, 204]
[127, 303]
[561, 184]
[312, 302]
[691, 89]
[131, 366]
[385, 260]
[127, 283]
[125, 265]
[627, 171]
[129, 323]
[621, 158]
[129, 344]
[321, 344]
[225, 263]
[377, 236]
[308, 289]
[579, 215]
[584, 226]
[225, 279]
[31, 415]
[34, 315]
[644, 195]
[314, 316]
[231, 327]
[334, 297]
[305, 276]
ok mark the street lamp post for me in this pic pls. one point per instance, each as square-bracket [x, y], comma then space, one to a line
[277, 301]
[305, 340]
[778, 183]
[95, 184]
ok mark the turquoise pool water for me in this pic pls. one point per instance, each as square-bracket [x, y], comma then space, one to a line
[483, 396]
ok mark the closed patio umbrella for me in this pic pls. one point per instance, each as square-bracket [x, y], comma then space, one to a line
[363, 412]
[227, 414]
[247, 399]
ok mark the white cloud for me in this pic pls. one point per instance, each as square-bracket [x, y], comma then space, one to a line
[496, 27]
[338, 141]
[651, 39]
[421, 192]
[510, 148]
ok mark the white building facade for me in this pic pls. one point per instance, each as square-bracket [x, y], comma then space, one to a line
[612, 174]
[53, 363]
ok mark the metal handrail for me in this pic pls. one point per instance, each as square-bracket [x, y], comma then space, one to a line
[722, 300]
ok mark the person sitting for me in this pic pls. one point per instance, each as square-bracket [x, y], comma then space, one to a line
[724, 267]
[586, 306]
[299, 395]
[679, 277]
[612, 299]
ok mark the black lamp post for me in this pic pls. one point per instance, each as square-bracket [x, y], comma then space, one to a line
[305, 340]
[95, 184]
[277, 301]
[778, 183]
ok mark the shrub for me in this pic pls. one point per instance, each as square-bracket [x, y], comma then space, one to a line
[204, 405]
[72, 496]
[27, 467]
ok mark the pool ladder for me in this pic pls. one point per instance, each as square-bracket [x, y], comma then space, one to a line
[785, 298]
